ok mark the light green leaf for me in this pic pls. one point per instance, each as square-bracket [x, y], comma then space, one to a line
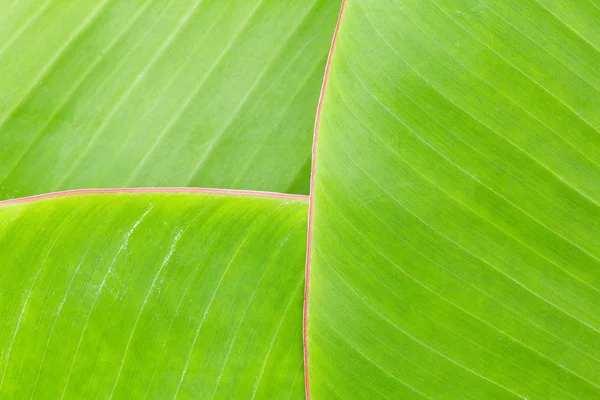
[121, 93]
[152, 295]
[456, 217]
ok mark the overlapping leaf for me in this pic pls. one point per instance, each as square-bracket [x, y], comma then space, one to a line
[152, 295]
[456, 223]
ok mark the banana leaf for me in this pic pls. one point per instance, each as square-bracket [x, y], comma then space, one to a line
[152, 294]
[122, 93]
[455, 228]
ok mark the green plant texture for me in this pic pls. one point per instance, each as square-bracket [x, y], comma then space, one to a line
[130, 295]
[184, 216]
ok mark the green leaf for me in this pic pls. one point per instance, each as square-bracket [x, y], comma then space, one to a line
[456, 217]
[121, 93]
[158, 295]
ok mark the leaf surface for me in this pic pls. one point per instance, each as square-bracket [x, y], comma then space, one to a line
[121, 93]
[455, 248]
[152, 295]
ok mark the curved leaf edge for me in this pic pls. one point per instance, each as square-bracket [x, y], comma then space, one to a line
[212, 191]
[311, 203]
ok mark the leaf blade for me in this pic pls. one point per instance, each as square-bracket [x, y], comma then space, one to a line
[190, 93]
[455, 206]
[152, 294]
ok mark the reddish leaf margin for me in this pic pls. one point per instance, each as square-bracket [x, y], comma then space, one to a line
[311, 203]
[231, 192]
